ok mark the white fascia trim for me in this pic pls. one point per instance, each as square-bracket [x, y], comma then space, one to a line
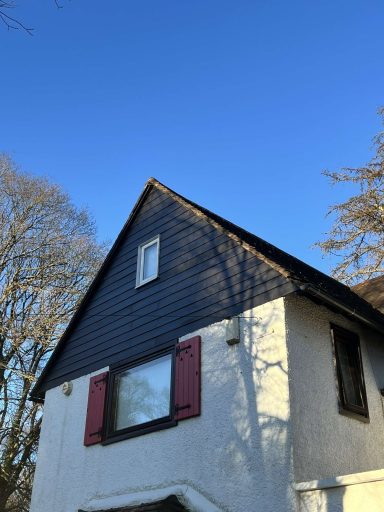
[191, 498]
[340, 481]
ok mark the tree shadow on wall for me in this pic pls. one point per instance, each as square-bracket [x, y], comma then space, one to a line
[259, 454]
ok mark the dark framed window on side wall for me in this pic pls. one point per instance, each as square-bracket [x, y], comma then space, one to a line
[350, 375]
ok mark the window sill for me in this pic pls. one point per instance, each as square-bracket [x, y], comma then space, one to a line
[353, 415]
[143, 283]
[114, 438]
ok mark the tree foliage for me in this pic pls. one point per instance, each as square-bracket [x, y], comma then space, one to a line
[48, 255]
[357, 234]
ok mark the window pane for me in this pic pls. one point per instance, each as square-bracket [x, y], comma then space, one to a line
[143, 393]
[150, 261]
[350, 374]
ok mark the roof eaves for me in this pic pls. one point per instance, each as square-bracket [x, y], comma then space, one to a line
[303, 275]
[374, 321]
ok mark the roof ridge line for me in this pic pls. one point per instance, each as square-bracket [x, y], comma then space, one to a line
[199, 211]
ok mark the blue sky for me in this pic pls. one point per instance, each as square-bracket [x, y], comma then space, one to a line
[238, 105]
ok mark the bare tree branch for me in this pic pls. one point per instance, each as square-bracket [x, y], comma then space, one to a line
[13, 23]
[48, 254]
[9, 21]
[357, 235]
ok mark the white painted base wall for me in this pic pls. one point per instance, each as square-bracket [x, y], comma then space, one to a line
[351, 493]
[326, 443]
[261, 429]
[235, 457]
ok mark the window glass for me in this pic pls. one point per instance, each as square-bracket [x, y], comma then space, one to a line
[150, 261]
[143, 393]
[350, 374]
[349, 369]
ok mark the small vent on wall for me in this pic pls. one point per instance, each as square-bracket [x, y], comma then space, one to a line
[232, 330]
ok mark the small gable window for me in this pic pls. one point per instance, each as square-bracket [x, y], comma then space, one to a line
[148, 261]
[350, 376]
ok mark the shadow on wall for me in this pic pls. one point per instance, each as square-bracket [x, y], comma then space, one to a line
[259, 455]
[204, 277]
[367, 496]
[330, 500]
[314, 502]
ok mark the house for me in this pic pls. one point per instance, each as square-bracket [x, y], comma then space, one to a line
[207, 370]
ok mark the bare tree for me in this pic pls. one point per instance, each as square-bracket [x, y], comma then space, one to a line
[357, 235]
[48, 254]
[11, 21]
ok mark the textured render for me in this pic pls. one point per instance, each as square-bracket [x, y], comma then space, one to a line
[235, 457]
[365, 496]
[326, 443]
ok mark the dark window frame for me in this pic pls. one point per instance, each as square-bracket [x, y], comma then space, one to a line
[110, 434]
[340, 335]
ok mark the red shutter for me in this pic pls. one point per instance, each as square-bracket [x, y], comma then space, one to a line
[187, 378]
[95, 411]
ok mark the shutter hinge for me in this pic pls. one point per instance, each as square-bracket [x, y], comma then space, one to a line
[178, 349]
[103, 379]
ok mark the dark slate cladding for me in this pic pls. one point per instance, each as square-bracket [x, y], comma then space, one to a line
[204, 277]
[299, 271]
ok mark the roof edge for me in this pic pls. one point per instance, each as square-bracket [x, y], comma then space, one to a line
[308, 289]
[272, 256]
[35, 395]
[290, 267]
[199, 211]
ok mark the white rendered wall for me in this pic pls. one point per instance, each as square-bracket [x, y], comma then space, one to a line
[367, 497]
[350, 493]
[327, 444]
[235, 457]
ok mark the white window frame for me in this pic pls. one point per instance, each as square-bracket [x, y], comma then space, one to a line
[140, 261]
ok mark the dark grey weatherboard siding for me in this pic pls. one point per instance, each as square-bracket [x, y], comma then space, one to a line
[204, 276]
